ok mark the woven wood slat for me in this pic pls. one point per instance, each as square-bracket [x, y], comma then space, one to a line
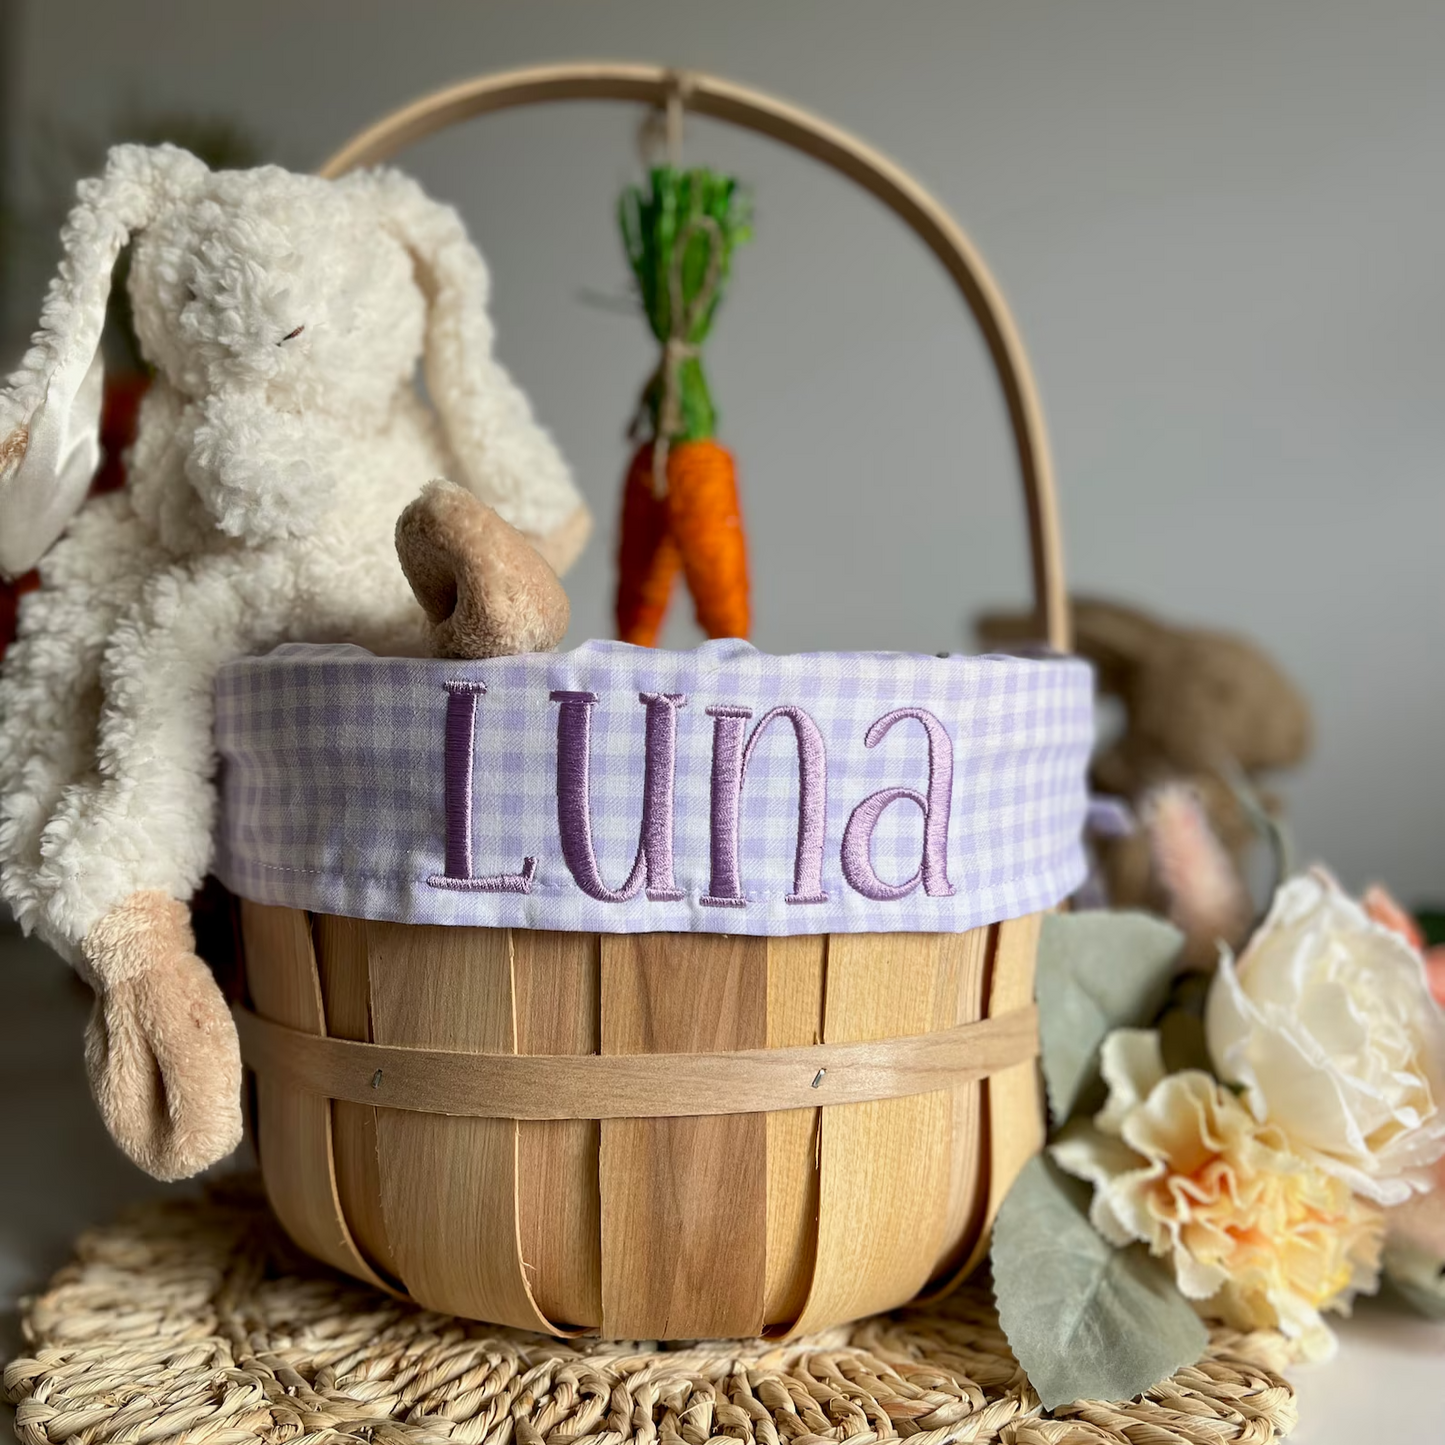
[638, 1086]
[297, 1125]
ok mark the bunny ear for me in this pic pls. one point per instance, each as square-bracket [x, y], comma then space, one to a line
[508, 460]
[50, 406]
[1117, 639]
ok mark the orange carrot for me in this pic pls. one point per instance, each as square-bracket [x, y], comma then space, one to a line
[647, 559]
[679, 235]
[705, 518]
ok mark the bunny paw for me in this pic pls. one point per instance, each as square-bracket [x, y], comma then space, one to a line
[161, 1049]
[485, 589]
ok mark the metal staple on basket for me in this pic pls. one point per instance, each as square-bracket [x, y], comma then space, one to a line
[197, 1323]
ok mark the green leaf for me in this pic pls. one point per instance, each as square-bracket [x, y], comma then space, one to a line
[1085, 1320]
[1097, 972]
[679, 235]
[1417, 1276]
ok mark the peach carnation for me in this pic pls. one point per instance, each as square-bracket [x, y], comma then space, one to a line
[1258, 1237]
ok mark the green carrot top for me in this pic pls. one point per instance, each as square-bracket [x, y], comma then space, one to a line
[679, 236]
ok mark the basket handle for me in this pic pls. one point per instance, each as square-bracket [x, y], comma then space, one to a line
[752, 110]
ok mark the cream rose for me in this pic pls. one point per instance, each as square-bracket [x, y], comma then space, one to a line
[1327, 1023]
[1259, 1237]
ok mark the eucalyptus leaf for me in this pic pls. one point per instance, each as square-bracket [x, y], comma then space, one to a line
[1086, 1321]
[1417, 1276]
[1097, 972]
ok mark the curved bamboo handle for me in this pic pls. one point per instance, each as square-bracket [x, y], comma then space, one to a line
[753, 110]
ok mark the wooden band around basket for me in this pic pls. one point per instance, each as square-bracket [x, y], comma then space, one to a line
[753, 110]
[636, 1086]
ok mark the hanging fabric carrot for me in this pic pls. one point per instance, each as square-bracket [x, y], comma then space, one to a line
[680, 507]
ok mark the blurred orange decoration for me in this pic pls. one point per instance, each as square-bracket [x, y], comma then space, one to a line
[117, 431]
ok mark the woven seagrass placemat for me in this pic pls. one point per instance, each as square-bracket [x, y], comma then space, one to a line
[196, 1322]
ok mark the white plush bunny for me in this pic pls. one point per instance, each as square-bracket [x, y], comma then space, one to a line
[284, 316]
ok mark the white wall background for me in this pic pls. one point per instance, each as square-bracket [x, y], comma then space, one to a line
[1221, 228]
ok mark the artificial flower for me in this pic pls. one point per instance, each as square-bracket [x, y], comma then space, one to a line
[1258, 1237]
[1414, 1258]
[1420, 1221]
[1381, 906]
[1327, 1022]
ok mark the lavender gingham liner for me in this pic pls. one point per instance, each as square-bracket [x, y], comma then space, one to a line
[334, 784]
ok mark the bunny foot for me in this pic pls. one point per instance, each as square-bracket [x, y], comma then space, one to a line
[485, 589]
[161, 1050]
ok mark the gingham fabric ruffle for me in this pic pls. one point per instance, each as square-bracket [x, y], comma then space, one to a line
[889, 792]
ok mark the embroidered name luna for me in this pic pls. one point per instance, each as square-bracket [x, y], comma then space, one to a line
[617, 789]
[733, 745]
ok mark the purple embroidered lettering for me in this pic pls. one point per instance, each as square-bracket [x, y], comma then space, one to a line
[461, 737]
[729, 767]
[932, 872]
[653, 863]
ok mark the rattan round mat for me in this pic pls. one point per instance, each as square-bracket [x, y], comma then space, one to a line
[197, 1321]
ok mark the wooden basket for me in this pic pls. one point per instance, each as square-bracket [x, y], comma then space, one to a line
[589, 1206]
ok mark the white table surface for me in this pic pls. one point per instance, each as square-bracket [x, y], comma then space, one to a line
[1387, 1384]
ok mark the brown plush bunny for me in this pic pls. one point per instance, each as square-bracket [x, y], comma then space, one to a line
[1200, 707]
